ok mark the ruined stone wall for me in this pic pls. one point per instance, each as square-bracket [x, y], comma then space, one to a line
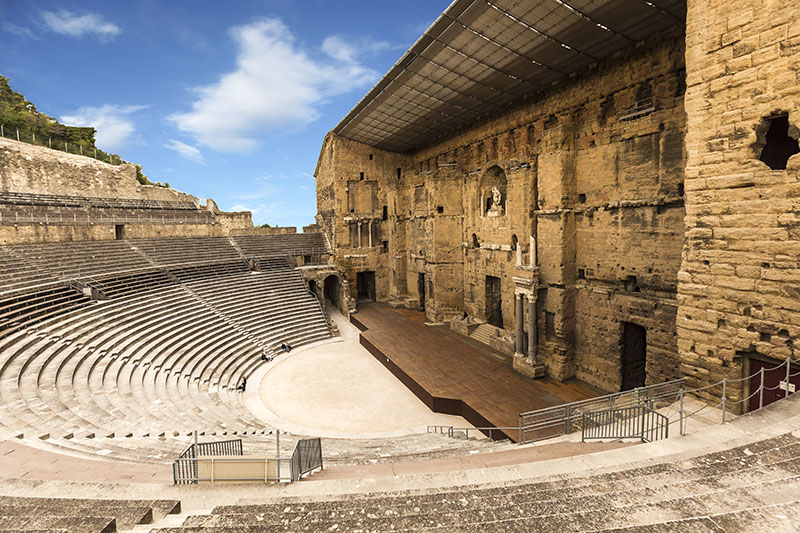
[599, 188]
[27, 168]
[739, 285]
[99, 232]
[356, 185]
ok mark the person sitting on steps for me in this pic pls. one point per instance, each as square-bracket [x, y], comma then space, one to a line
[265, 357]
[243, 385]
[285, 347]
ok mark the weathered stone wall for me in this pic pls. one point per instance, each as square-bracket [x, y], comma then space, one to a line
[27, 168]
[356, 184]
[739, 285]
[100, 232]
[600, 190]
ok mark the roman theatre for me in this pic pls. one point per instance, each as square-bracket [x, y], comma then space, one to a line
[553, 284]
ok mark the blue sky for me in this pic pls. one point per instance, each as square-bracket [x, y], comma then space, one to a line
[224, 100]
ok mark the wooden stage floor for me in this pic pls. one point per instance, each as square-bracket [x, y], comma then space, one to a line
[457, 375]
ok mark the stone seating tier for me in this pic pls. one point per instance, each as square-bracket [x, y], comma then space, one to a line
[24, 514]
[15, 198]
[33, 265]
[159, 361]
[22, 215]
[746, 488]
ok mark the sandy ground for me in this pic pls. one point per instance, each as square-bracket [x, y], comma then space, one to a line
[338, 389]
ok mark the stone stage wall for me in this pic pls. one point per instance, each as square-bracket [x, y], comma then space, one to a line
[599, 189]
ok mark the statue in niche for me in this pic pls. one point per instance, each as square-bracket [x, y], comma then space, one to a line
[495, 208]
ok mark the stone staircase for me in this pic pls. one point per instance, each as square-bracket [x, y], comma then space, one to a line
[484, 333]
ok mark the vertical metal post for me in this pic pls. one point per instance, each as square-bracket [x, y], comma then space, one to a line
[195, 440]
[49, 142]
[17, 133]
[568, 421]
[680, 424]
[2, 132]
[761, 390]
[724, 390]
[788, 369]
[278, 450]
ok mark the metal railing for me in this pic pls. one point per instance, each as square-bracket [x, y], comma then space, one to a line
[225, 469]
[463, 432]
[62, 145]
[306, 457]
[565, 419]
[185, 467]
[328, 320]
[637, 421]
[22, 219]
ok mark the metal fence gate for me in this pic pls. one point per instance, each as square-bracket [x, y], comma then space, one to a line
[637, 421]
[306, 456]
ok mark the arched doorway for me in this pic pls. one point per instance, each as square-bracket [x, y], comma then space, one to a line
[333, 290]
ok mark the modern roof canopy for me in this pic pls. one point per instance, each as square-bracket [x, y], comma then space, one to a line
[481, 55]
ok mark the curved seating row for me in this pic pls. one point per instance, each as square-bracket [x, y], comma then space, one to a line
[747, 488]
[32, 265]
[158, 361]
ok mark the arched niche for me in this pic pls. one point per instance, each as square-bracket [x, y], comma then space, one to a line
[493, 189]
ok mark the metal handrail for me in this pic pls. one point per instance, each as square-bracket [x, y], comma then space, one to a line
[328, 319]
[306, 457]
[638, 421]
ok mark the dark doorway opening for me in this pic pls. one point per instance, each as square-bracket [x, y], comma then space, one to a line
[494, 301]
[365, 283]
[332, 290]
[312, 286]
[775, 386]
[634, 355]
[779, 145]
[119, 231]
[421, 290]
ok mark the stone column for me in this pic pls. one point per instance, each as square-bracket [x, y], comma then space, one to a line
[520, 317]
[359, 235]
[533, 337]
[370, 234]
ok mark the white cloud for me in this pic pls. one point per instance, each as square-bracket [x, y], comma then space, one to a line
[19, 31]
[91, 24]
[115, 128]
[337, 47]
[186, 151]
[275, 87]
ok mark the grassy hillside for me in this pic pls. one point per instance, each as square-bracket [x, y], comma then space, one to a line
[18, 113]
[21, 120]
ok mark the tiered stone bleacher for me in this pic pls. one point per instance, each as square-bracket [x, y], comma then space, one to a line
[266, 246]
[132, 375]
[752, 487]
[183, 321]
[26, 514]
[28, 209]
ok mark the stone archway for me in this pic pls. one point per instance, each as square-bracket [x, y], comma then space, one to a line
[332, 291]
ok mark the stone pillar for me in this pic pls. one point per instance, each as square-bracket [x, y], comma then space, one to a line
[520, 318]
[370, 234]
[533, 334]
[359, 235]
